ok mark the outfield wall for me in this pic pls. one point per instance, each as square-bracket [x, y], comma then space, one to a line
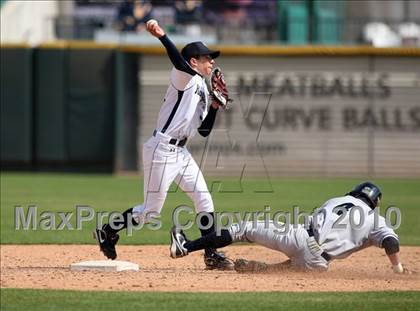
[68, 106]
[320, 111]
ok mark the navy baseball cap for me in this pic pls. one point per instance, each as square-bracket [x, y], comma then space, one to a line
[195, 49]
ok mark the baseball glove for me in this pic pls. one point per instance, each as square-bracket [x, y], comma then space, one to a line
[250, 266]
[219, 91]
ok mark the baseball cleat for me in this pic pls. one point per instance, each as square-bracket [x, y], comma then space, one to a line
[178, 240]
[215, 260]
[106, 242]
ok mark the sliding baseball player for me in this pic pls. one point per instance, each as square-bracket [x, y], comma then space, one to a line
[331, 234]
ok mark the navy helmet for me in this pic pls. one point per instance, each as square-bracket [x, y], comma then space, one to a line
[369, 192]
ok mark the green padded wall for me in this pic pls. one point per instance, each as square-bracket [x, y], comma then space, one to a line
[16, 106]
[90, 106]
[126, 99]
[75, 108]
[66, 107]
[50, 101]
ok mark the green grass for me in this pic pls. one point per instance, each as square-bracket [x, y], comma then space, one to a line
[19, 299]
[63, 192]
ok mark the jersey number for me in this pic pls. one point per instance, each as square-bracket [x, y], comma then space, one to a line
[343, 208]
[341, 211]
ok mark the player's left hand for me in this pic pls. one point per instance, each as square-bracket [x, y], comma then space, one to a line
[406, 271]
[219, 91]
[403, 270]
[409, 271]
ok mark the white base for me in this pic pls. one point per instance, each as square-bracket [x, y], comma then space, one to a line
[104, 265]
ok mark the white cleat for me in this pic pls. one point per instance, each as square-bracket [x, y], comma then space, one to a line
[178, 241]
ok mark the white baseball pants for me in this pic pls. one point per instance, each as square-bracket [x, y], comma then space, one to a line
[164, 163]
[293, 242]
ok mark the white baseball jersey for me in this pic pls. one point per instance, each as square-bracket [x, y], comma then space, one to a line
[338, 237]
[185, 105]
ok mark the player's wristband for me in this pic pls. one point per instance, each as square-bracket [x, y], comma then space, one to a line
[398, 268]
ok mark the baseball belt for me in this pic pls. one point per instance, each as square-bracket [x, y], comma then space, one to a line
[174, 141]
[323, 254]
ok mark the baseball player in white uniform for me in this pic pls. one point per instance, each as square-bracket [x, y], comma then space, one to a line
[187, 109]
[329, 235]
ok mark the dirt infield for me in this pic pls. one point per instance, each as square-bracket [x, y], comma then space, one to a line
[47, 267]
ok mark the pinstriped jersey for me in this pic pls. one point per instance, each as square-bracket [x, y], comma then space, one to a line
[185, 105]
[343, 233]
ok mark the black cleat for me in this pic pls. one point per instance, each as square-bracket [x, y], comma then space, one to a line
[215, 260]
[178, 239]
[106, 242]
